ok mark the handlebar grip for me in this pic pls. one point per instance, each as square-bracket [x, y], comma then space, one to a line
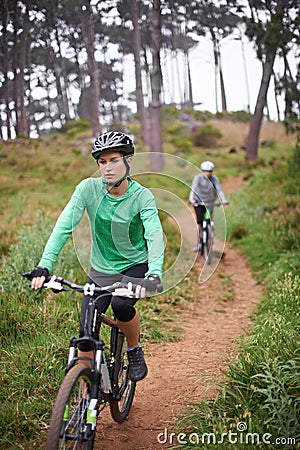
[158, 289]
[140, 282]
[27, 275]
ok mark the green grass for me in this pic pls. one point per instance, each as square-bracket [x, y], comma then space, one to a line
[34, 333]
[262, 384]
[35, 328]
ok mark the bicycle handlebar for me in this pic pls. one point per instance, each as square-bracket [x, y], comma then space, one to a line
[207, 204]
[121, 289]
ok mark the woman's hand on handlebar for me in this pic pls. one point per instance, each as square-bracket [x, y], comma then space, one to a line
[38, 277]
[139, 287]
[151, 283]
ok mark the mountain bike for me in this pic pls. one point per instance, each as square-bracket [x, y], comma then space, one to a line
[206, 239]
[86, 389]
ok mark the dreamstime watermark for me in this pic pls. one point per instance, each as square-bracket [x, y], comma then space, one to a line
[240, 436]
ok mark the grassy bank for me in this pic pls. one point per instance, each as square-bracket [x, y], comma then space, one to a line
[259, 404]
[35, 328]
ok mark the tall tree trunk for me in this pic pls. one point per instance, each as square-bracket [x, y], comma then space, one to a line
[1, 126]
[171, 85]
[138, 73]
[16, 70]
[190, 102]
[88, 37]
[222, 85]
[245, 72]
[255, 124]
[23, 122]
[15, 97]
[147, 73]
[156, 83]
[276, 92]
[57, 71]
[178, 76]
[5, 72]
[6, 86]
[216, 60]
[49, 100]
[289, 83]
[64, 85]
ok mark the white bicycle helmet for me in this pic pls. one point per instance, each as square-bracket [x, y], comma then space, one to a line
[112, 140]
[207, 166]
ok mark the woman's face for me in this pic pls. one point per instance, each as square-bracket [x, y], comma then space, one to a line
[112, 166]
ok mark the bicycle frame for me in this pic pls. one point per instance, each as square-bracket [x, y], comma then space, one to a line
[100, 366]
[100, 380]
[206, 234]
[206, 220]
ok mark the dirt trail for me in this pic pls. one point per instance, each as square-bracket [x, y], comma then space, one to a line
[189, 370]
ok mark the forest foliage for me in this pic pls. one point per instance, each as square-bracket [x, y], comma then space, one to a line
[64, 59]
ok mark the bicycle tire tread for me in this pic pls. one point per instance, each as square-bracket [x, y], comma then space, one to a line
[59, 406]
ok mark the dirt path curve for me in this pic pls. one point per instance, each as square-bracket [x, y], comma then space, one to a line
[189, 370]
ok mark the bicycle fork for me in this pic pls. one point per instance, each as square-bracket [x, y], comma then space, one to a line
[100, 375]
[204, 232]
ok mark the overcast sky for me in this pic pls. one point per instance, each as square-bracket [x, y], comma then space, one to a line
[234, 69]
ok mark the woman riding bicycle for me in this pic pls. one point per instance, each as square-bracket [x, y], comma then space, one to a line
[206, 188]
[127, 239]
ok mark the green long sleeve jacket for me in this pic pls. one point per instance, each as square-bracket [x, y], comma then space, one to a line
[125, 230]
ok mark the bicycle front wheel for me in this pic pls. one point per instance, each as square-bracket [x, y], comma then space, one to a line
[208, 244]
[68, 428]
[123, 387]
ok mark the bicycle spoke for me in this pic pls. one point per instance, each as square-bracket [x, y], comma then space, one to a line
[123, 388]
[68, 428]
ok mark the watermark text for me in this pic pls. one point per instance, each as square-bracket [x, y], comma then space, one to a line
[240, 436]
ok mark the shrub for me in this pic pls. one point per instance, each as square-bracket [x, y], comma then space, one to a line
[268, 143]
[170, 112]
[241, 116]
[181, 143]
[200, 116]
[294, 162]
[206, 136]
[238, 233]
[176, 129]
[291, 185]
[75, 126]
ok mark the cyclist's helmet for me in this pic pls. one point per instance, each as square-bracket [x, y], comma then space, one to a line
[207, 166]
[112, 140]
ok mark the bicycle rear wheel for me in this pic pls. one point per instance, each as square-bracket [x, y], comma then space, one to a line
[123, 388]
[208, 244]
[68, 428]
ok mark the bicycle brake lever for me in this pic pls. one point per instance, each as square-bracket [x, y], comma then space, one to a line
[124, 291]
[56, 286]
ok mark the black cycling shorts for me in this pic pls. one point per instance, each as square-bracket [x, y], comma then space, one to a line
[123, 307]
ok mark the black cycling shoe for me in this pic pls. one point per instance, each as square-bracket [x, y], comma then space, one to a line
[137, 366]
